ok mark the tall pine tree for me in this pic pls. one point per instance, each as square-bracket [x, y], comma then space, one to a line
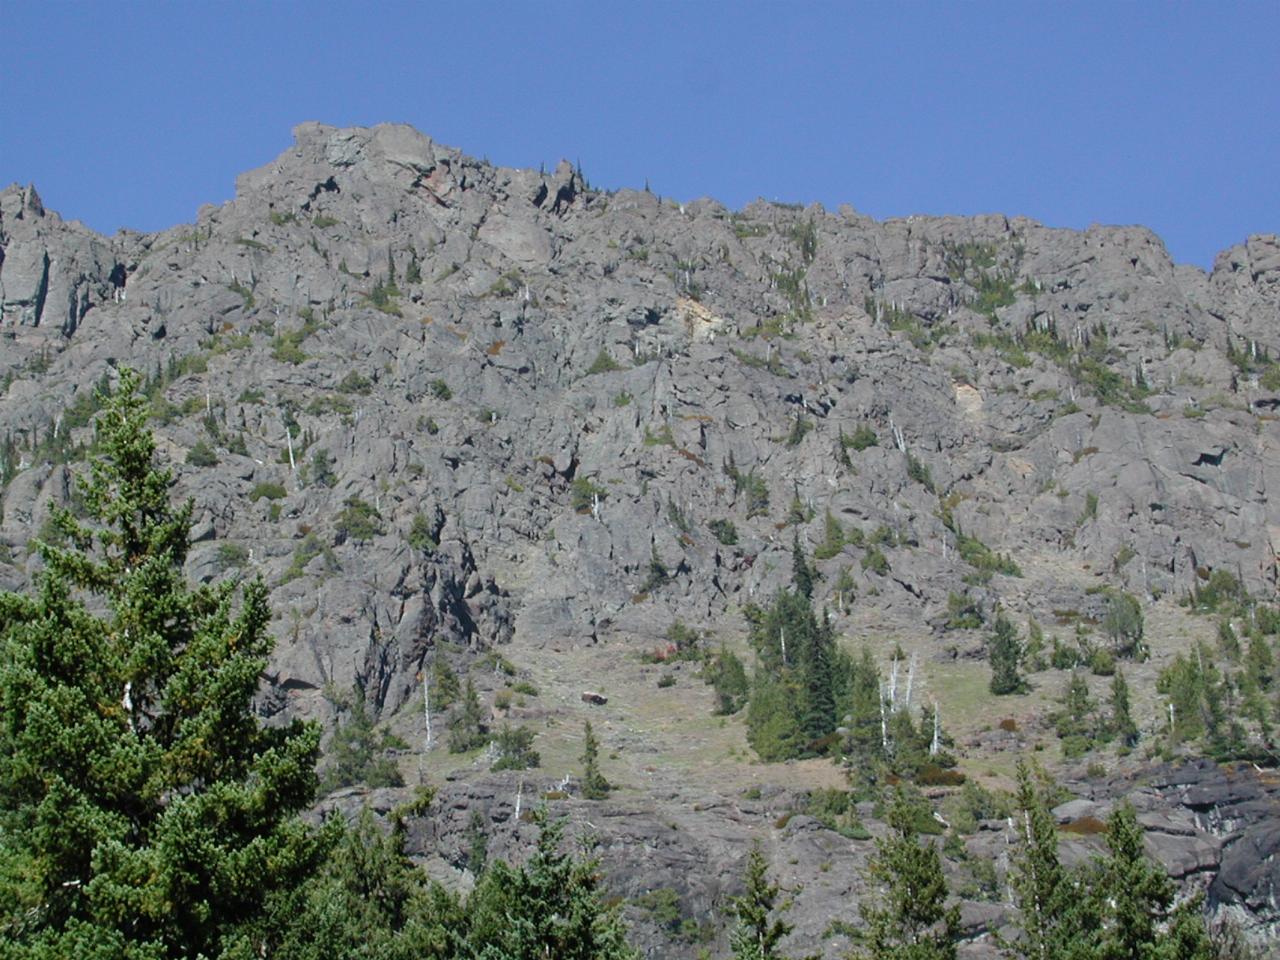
[594, 785]
[1004, 651]
[145, 812]
[1054, 919]
[757, 930]
[911, 921]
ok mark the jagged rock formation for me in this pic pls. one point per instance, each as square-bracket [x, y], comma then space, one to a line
[443, 406]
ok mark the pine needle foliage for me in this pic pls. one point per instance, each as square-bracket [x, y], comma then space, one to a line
[145, 812]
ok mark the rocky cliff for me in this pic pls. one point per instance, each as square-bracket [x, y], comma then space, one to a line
[450, 410]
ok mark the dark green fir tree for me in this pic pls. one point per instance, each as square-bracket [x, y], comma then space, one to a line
[1004, 651]
[594, 785]
[757, 929]
[145, 811]
[911, 920]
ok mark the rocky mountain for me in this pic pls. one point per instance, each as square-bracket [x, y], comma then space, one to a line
[451, 411]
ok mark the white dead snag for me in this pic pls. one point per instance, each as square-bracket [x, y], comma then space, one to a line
[884, 724]
[936, 744]
[288, 438]
[519, 798]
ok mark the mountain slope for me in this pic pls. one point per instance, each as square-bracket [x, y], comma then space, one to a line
[448, 409]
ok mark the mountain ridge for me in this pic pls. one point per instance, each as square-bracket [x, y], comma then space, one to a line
[555, 422]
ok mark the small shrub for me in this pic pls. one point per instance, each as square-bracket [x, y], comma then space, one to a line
[862, 438]
[359, 520]
[875, 561]
[202, 455]
[515, 749]
[231, 556]
[583, 493]
[932, 775]
[667, 680]
[724, 531]
[603, 363]
[355, 382]
[267, 490]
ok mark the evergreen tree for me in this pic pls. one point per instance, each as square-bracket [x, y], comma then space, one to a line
[863, 744]
[1138, 898]
[1122, 726]
[1074, 720]
[145, 812]
[757, 930]
[802, 573]
[594, 785]
[445, 688]
[772, 727]
[466, 727]
[1260, 662]
[1004, 651]
[1123, 624]
[369, 901]
[515, 749]
[550, 907]
[1053, 918]
[358, 752]
[782, 632]
[477, 843]
[724, 671]
[1253, 704]
[911, 920]
[816, 668]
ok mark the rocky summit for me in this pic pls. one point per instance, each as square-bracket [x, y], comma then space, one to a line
[546, 435]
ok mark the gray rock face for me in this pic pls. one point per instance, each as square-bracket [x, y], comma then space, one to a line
[454, 406]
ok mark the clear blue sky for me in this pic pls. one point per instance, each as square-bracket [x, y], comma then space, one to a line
[135, 113]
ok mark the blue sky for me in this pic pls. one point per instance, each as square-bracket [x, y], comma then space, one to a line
[135, 113]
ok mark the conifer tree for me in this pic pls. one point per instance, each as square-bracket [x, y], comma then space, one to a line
[1122, 726]
[802, 573]
[1138, 905]
[863, 744]
[1053, 917]
[724, 671]
[772, 727]
[594, 785]
[1075, 718]
[1004, 651]
[368, 901]
[819, 702]
[445, 688]
[550, 907]
[145, 812]
[466, 728]
[358, 752]
[757, 929]
[911, 920]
